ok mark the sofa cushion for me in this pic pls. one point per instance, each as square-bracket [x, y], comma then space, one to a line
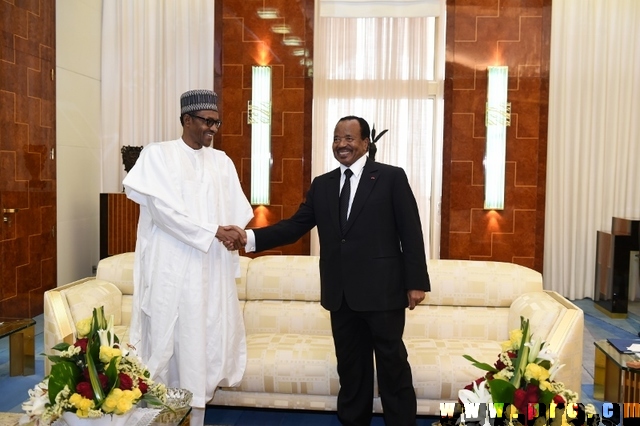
[82, 299]
[284, 278]
[439, 369]
[457, 322]
[290, 364]
[478, 283]
[284, 316]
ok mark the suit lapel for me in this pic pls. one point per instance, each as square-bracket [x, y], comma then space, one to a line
[368, 180]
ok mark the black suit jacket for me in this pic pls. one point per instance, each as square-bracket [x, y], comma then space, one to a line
[381, 254]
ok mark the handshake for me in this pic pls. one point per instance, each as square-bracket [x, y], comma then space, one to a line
[233, 237]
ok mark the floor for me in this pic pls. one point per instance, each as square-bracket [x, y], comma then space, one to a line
[597, 326]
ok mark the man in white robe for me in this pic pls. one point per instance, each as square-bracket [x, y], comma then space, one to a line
[186, 322]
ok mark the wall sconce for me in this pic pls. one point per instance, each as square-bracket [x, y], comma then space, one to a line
[259, 117]
[497, 118]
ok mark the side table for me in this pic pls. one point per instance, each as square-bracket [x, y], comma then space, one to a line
[613, 381]
[21, 332]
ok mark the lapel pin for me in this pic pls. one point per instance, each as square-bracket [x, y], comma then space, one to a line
[373, 178]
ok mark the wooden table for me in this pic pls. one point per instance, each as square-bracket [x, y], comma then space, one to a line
[613, 381]
[21, 332]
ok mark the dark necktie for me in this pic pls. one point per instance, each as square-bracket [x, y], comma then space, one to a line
[345, 194]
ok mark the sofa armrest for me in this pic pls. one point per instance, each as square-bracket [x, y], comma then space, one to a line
[118, 269]
[558, 322]
[66, 305]
[566, 339]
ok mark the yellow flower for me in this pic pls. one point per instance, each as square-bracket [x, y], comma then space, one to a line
[546, 386]
[123, 406]
[109, 404]
[132, 395]
[83, 327]
[82, 404]
[106, 353]
[536, 372]
[515, 338]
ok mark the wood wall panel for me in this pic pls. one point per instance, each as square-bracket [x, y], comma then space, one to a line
[27, 162]
[481, 33]
[248, 41]
[118, 224]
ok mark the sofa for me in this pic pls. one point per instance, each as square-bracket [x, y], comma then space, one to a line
[291, 361]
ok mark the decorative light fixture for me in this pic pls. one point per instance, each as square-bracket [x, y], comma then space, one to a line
[259, 117]
[497, 118]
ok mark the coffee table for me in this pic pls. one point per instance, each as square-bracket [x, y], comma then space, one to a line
[21, 332]
[180, 417]
[613, 381]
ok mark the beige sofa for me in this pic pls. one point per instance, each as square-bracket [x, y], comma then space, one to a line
[291, 360]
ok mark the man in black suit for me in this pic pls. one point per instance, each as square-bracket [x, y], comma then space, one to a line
[371, 268]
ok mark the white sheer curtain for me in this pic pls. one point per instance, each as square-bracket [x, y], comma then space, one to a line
[385, 70]
[593, 170]
[152, 52]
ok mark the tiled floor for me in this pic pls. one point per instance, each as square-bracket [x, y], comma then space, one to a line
[597, 326]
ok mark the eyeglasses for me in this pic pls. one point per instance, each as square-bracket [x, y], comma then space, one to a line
[208, 121]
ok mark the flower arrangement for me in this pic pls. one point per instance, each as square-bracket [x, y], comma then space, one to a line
[94, 377]
[524, 373]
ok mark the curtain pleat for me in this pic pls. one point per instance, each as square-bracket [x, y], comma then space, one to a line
[152, 52]
[382, 69]
[593, 171]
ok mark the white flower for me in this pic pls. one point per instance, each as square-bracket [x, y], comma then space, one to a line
[554, 370]
[479, 395]
[107, 336]
[546, 354]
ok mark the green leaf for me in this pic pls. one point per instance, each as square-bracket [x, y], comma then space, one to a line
[520, 364]
[480, 365]
[501, 391]
[98, 393]
[61, 347]
[99, 322]
[112, 373]
[64, 373]
[56, 359]
[546, 397]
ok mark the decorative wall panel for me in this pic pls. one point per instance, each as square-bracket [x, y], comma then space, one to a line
[249, 40]
[27, 156]
[481, 33]
[118, 224]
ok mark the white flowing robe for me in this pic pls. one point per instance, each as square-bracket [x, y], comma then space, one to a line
[186, 321]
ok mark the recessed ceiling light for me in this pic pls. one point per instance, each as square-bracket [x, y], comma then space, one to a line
[268, 13]
[281, 29]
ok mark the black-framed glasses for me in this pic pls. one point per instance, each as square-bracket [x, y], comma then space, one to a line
[208, 121]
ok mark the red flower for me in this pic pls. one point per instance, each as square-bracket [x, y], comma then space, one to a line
[104, 381]
[82, 344]
[84, 389]
[523, 397]
[126, 383]
[142, 386]
[558, 399]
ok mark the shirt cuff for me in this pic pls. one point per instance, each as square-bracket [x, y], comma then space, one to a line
[251, 242]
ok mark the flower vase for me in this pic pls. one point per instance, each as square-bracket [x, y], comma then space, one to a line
[72, 419]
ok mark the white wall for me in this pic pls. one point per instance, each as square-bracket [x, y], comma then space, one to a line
[78, 29]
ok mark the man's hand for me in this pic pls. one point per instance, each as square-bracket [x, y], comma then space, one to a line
[233, 237]
[415, 297]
